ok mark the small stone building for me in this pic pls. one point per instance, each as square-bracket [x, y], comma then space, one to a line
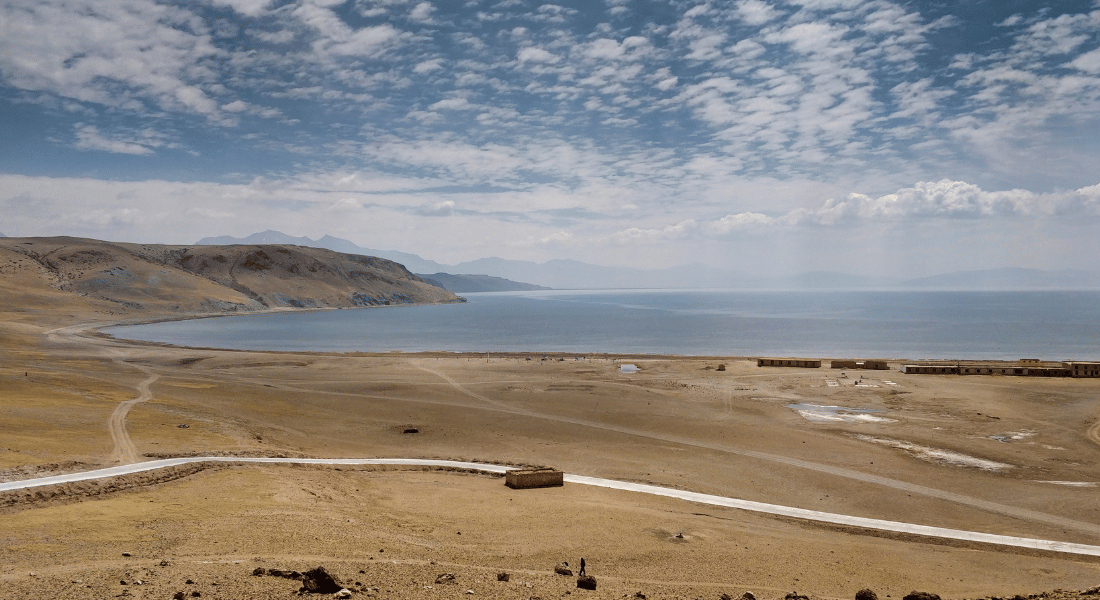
[523, 479]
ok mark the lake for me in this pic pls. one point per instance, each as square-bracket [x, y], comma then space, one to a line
[857, 324]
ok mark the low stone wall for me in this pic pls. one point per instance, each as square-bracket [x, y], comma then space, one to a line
[521, 479]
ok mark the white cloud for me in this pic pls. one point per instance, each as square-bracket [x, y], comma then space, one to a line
[252, 8]
[116, 53]
[89, 138]
[537, 55]
[422, 12]
[452, 104]
[438, 209]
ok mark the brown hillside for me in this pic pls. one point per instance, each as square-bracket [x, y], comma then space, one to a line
[47, 275]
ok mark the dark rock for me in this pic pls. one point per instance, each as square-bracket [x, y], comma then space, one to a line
[725, 597]
[866, 594]
[640, 596]
[445, 578]
[563, 570]
[797, 596]
[259, 571]
[503, 577]
[190, 582]
[411, 430]
[921, 596]
[196, 594]
[127, 554]
[586, 582]
[179, 596]
[748, 596]
[165, 563]
[319, 581]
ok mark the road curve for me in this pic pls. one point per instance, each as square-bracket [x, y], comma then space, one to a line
[759, 507]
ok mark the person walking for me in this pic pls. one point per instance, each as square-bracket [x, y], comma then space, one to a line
[582, 567]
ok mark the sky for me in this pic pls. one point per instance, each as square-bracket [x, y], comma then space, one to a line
[874, 137]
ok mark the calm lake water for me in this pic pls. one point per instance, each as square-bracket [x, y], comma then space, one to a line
[942, 325]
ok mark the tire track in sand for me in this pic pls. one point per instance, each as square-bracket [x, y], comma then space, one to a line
[985, 505]
[1094, 433]
[125, 452]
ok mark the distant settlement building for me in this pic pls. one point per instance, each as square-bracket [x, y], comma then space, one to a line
[1023, 368]
[788, 362]
[875, 365]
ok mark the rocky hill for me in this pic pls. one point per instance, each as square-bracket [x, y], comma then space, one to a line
[61, 273]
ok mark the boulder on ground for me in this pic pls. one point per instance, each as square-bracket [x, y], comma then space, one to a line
[866, 594]
[797, 596]
[563, 570]
[259, 571]
[921, 596]
[319, 581]
[344, 593]
[445, 578]
[586, 582]
[502, 576]
[748, 596]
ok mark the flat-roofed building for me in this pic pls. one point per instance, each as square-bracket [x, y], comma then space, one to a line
[788, 362]
[930, 369]
[872, 364]
[1083, 369]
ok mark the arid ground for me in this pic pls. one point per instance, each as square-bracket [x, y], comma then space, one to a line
[1007, 455]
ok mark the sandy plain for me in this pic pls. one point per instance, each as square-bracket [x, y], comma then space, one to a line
[1004, 455]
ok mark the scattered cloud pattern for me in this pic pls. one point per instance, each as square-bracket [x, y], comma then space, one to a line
[642, 131]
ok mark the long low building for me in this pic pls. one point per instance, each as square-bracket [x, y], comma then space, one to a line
[788, 362]
[1025, 368]
[875, 365]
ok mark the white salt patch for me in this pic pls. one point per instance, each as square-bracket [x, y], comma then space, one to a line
[628, 368]
[827, 414]
[938, 455]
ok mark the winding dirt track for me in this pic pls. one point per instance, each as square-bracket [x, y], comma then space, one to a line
[125, 451]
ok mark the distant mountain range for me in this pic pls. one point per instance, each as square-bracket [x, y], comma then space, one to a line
[571, 274]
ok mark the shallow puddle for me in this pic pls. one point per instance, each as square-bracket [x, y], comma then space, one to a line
[832, 414]
[628, 368]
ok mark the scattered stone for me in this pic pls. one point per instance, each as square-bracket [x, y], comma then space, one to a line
[725, 597]
[259, 571]
[77, 581]
[190, 582]
[411, 430]
[123, 582]
[344, 593]
[866, 594]
[469, 591]
[319, 581]
[797, 596]
[196, 594]
[127, 554]
[641, 596]
[748, 596]
[179, 596]
[502, 576]
[921, 596]
[586, 582]
[445, 578]
[165, 563]
[563, 570]
[183, 426]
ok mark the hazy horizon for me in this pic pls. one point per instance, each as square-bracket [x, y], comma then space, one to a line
[880, 137]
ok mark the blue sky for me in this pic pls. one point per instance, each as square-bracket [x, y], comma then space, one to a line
[868, 136]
